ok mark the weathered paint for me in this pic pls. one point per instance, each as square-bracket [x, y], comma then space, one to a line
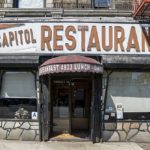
[74, 37]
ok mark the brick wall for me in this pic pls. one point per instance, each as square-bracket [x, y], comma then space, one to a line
[116, 4]
[49, 3]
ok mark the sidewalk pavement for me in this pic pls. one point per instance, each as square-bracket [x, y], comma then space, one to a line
[145, 146]
[21, 145]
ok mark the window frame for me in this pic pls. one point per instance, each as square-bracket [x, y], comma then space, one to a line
[114, 118]
[34, 72]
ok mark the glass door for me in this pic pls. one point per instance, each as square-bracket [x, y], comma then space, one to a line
[71, 107]
[61, 115]
[80, 108]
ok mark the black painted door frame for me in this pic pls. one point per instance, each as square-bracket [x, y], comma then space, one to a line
[96, 114]
[45, 118]
[46, 108]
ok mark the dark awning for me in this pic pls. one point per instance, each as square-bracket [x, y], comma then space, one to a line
[70, 64]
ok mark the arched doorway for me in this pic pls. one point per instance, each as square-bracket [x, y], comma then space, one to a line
[71, 98]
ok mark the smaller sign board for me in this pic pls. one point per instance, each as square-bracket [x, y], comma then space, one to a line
[119, 110]
[34, 115]
[72, 67]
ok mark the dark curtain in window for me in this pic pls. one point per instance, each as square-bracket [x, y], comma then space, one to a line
[15, 3]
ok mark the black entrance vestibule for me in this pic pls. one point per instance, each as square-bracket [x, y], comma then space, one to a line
[70, 99]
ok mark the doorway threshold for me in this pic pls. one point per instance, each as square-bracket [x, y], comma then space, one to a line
[65, 137]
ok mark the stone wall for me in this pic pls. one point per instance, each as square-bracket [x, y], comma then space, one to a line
[127, 131]
[18, 130]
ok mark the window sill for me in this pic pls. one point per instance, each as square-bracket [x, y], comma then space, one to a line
[19, 120]
[125, 120]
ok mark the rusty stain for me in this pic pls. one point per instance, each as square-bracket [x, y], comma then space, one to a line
[6, 26]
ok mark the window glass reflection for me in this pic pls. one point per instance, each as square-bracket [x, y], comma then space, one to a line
[79, 103]
[61, 103]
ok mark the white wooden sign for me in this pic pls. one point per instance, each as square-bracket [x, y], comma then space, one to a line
[75, 38]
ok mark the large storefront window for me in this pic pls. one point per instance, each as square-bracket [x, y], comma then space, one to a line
[18, 95]
[131, 91]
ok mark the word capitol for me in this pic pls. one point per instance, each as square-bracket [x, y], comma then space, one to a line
[17, 38]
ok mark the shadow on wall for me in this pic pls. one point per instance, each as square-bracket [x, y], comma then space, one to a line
[108, 130]
[110, 123]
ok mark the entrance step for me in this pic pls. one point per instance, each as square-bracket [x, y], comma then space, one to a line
[69, 138]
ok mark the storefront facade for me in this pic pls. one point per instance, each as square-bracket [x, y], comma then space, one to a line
[86, 79]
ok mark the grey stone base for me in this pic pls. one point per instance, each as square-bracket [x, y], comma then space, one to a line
[127, 131]
[17, 130]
